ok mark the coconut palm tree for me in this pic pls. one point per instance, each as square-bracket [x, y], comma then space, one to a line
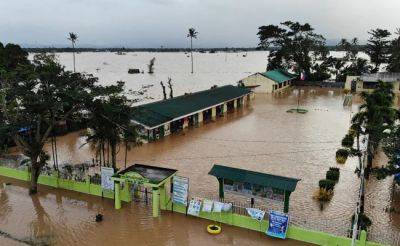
[73, 37]
[192, 34]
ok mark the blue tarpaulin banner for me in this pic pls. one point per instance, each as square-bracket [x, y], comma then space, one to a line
[278, 224]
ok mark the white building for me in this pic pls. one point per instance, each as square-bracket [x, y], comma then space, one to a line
[368, 82]
[269, 81]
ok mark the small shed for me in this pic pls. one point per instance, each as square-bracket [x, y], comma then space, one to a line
[254, 183]
[269, 81]
[149, 176]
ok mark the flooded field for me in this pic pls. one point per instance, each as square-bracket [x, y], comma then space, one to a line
[261, 137]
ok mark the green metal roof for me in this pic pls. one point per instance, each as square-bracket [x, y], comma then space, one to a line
[278, 75]
[160, 112]
[262, 179]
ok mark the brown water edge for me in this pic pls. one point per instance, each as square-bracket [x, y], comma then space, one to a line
[60, 217]
[263, 137]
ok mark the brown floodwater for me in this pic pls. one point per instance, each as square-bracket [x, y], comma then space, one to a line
[59, 217]
[260, 137]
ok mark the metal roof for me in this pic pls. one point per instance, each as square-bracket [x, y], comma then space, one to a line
[154, 174]
[278, 75]
[155, 114]
[262, 179]
[384, 76]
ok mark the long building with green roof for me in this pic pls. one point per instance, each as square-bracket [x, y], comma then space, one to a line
[160, 118]
[269, 82]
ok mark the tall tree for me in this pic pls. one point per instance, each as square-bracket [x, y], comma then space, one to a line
[73, 37]
[34, 97]
[294, 46]
[109, 118]
[378, 47]
[353, 65]
[394, 50]
[192, 34]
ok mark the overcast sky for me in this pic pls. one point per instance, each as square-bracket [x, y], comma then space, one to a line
[152, 23]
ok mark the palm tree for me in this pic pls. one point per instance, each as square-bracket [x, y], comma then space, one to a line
[73, 37]
[192, 34]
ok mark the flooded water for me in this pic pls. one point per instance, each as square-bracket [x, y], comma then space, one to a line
[261, 137]
[55, 217]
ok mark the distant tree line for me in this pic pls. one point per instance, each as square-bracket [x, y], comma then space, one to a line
[297, 47]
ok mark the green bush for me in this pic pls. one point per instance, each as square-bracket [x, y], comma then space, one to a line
[332, 175]
[348, 141]
[336, 169]
[341, 155]
[326, 184]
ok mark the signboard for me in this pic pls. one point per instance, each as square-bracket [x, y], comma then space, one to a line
[180, 190]
[256, 213]
[252, 190]
[278, 224]
[194, 207]
[106, 174]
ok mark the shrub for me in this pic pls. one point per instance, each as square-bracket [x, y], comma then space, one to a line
[348, 141]
[326, 184]
[346, 91]
[323, 195]
[336, 169]
[332, 175]
[363, 221]
[341, 155]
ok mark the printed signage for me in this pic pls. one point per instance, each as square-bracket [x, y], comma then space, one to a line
[253, 190]
[194, 207]
[278, 224]
[256, 213]
[180, 190]
[106, 174]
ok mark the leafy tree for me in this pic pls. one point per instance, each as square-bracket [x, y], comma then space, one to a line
[109, 118]
[295, 46]
[192, 34]
[34, 97]
[73, 37]
[378, 47]
[352, 64]
[394, 58]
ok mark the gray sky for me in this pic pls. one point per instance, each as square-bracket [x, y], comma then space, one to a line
[152, 23]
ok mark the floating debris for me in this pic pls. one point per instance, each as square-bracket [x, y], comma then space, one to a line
[133, 70]
[99, 218]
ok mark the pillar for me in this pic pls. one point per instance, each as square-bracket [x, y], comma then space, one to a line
[363, 238]
[221, 188]
[156, 202]
[213, 113]
[235, 103]
[163, 197]
[200, 117]
[243, 101]
[286, 204]
[117, 195]
[167, 129]
[225, 108]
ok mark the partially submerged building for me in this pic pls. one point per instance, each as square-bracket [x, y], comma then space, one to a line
[161, 118]
[269, 82]
[368, 82]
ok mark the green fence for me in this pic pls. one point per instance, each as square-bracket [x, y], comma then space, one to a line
[294, 232]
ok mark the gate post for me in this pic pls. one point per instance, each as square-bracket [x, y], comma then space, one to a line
[117, 195]
[156, 202]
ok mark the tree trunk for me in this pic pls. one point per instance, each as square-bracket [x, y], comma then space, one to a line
[113, 147]
[191, 51]
[73, 54]
[126, 152]
[35, 172]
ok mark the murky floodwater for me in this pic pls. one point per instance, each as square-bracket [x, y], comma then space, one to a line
[55, 217]
[261, 137]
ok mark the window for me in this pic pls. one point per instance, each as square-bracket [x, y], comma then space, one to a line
[369, 85]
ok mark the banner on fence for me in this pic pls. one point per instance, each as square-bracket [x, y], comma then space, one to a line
[256, 213]
[278, 224]
[106, 174]
[180, 190]
[194, 207]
